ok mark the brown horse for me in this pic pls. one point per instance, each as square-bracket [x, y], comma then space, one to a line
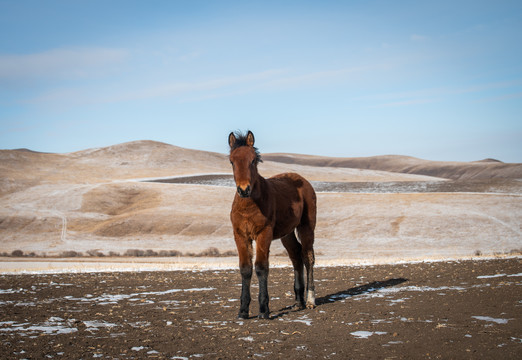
[268, 209]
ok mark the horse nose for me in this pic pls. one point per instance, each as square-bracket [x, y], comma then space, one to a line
[244, 193]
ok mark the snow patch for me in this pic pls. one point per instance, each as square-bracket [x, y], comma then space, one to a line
[498, 275]
[10, 291]
[366, 334]
[107, 299]
[247, 338]
[490, 319]
[53, 326]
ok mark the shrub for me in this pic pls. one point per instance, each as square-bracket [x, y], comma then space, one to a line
[150, 252]
[17, 253]
[212, 251]
[95, 253]
[70, 253]
[230, 253]
[134, 252]
[167, 253]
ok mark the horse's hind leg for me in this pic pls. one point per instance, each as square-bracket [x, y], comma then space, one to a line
[306, 235]
[294, 250]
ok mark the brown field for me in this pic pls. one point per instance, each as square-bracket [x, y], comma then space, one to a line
[439, 310]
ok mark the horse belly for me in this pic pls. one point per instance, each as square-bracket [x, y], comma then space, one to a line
[288, 220]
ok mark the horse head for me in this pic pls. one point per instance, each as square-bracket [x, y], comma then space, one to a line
[244, 158]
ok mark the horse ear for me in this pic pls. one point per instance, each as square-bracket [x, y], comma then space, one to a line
[231, 139]
[250, 138]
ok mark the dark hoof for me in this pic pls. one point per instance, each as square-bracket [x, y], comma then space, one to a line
[243, 316]
[264, 316]
[299, 306]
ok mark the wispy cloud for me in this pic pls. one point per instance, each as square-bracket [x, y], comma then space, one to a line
[318, 77]
[189, 56]
[505, 97]
[210, 88]
[426, 96]
[134, 91]
[173, 89]
[417, 37]
[72, 62]
[490, 86]
[406, 103]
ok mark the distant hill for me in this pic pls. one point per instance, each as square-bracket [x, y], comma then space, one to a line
[484, 169]
[21, 168]
[91, 200]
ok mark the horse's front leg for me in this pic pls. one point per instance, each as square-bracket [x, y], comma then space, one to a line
[244, 249]
[262, 251]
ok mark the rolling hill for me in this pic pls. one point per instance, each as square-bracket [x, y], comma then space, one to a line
[96, 200]
[484, 169]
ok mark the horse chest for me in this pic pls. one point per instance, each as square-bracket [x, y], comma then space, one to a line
[250, 221]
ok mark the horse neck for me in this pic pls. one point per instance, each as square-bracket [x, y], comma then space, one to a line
[260, 187]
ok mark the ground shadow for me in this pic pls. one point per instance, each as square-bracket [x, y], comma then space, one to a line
[341, 295]
[358, 290]
[285, 311]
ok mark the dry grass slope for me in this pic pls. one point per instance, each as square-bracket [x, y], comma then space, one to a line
[54, 203]
[484, 169]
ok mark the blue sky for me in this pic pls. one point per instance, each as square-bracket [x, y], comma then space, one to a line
[439, 80]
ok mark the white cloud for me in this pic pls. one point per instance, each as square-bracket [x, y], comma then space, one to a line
[406, 103]
[322, 77]
[73, 62]
[505, 97]
[188, 91]
[431, 95]
[188, 88]
[189, 56]
[417, 37]
[185, 91]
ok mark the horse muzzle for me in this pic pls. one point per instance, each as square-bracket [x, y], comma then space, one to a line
[244, 193]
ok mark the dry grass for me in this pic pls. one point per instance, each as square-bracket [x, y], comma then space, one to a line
[88, 201]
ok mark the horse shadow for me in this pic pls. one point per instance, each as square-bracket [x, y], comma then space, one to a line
[344, 294]
[359, 290]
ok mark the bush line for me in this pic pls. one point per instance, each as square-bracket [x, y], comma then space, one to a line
[210, 252]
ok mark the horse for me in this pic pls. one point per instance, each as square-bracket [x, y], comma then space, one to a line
[268, 209]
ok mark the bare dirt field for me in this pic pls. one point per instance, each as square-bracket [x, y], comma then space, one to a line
[462, 310]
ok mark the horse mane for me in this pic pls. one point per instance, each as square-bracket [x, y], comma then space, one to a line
[241, 140]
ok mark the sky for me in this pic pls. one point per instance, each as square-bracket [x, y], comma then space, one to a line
[438, 80]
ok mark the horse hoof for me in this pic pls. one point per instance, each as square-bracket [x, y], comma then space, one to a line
[243, 316]
[310, 306]
[265, 316]
[299, 306]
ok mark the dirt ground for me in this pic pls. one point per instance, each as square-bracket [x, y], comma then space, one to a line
[462, 310]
